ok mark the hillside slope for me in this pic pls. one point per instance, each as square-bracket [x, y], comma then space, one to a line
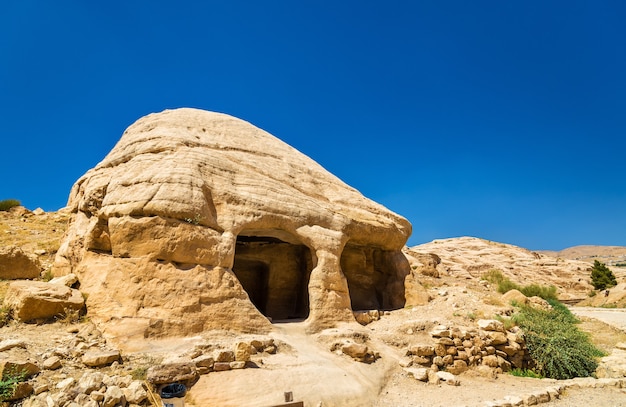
[470, 258]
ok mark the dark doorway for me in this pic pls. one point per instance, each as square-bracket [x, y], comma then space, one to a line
[369, 274]
[253, 276]
[275, 274]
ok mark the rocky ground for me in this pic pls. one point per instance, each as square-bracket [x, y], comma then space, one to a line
[80, 367]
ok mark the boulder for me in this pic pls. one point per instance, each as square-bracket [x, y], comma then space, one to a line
[242, 352]
[51, 363]
[114, 396]
[135, 393]
[21, 390]
[90, 381]
[15, 264]
[24, 369]
[99, 358]
[198, 220]
[171, 373]
[11, 343]
[32, 300]
[514, 296]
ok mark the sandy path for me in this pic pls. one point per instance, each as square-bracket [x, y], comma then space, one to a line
[613, 316]
[304, 367]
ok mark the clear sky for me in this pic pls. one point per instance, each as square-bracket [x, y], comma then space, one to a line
[497, 119]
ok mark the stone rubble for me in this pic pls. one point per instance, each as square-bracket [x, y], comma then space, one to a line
[86, 373]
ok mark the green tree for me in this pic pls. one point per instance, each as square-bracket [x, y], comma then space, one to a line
[601, 276]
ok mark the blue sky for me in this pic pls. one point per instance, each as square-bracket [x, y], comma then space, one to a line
[496, 119]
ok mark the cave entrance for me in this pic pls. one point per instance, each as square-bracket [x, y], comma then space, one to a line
[369, 274]
[275, 275]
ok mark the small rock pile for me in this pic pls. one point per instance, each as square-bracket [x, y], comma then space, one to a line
[490, 348]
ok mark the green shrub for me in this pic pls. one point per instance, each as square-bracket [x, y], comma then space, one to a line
[8, 383]
[494, 276]
[505, 285]
[601, 276]
[558, 349]
[506, 321]
[525, 373]
[545, 292]
[8, 204]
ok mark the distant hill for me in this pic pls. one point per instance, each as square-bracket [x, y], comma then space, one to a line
[610, 255]
[470, 257]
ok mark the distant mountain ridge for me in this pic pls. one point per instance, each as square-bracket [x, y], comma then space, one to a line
[610, 255]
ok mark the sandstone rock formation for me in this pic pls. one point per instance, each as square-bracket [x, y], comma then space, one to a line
[198, 220]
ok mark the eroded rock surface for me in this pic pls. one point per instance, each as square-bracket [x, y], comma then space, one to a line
[198, 220]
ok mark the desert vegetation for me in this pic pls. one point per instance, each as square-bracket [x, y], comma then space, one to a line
[504, 284]
[7, 204]
[559, 350]
[601, 276]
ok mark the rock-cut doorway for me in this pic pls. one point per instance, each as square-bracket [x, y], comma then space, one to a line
[275, 275]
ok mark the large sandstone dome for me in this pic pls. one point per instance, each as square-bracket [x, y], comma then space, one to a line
[198, 220]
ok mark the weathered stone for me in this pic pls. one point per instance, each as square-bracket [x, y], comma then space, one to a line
[258, 345]
[462, 355]
[171, 373]
[97, 395]
[221, 366]
[514, 297]
[490, 360]
[181, 205]
[458, 367]
[496, 338]
[242, 352]
[356, 351]
[422, 350]
[440, 331]
[135, 393]
[13, 367]
[490, 325]
[225, 356]
[90, 381]
[440, 350]
[31, 300]
[204, 361]
[66, 384]
[98, 358]
[51, 363]
[433, 377]
[67, 280]
[12, 343]
[237, 365]
[15, 264]
[122, 381]
[114, 396]
[422, 360]
[21, 390]
[420, 374]
[445, 341]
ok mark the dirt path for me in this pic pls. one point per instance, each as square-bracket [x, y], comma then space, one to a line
[303, 366]
[613, 316]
